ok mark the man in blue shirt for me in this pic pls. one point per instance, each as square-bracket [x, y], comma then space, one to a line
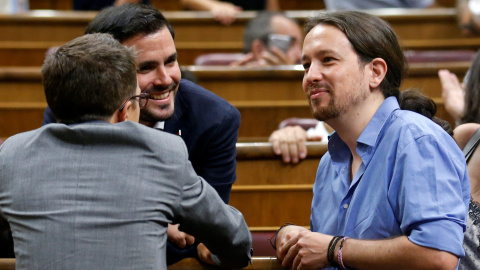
[393, 188]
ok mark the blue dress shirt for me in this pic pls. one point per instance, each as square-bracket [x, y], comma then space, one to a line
[413, 181]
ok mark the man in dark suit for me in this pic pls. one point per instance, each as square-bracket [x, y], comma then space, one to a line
[96, 191]
[207, 123]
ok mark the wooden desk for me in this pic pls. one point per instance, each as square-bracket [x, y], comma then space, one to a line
[198, 33]
[172, 5]
[190, 263]
[262, 263]
[284, 83]
[281, 192]
[50, 25]
[175, 4]
[7, 264]
[264, 97]
[238, 85]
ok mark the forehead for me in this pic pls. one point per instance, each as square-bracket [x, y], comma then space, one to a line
[159, 43]
[326, 37]
[285, 26]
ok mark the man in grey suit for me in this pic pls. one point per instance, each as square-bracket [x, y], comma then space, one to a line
[96, 191]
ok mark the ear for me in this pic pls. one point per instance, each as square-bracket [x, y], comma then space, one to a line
[378, 69]
[257, 48]
[123, 114]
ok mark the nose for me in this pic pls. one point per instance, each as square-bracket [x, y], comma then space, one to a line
[313, 74]
[162, 77]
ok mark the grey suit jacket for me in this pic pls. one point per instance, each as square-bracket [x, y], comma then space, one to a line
[100, 196]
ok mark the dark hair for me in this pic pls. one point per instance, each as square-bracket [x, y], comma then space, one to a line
[371, 37]
[472, 93]
[89, 78]
[414, 100]
[258, 28]
[126, 21]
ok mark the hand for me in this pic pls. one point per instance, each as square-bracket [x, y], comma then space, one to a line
[274, 56]
[302, 249]
[453, 94]
[225, 12]
[290, 142]
[204, 255]
[247, 60]
[266, 58]
[178, 237]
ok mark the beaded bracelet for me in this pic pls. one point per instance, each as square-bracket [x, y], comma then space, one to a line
[340, 258]
[331, 250]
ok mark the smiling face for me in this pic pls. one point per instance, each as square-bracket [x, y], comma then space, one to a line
[158, 73]
[334, 80]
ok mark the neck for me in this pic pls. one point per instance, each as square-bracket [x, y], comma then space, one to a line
[350, 125]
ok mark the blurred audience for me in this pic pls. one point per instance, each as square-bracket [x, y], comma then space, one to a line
[462, 102]
[226, 11]
[372, 4]
[13, 6]
[271, 38]
[471, 244]
[468, 15]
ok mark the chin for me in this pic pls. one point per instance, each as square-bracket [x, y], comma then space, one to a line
[156, 115]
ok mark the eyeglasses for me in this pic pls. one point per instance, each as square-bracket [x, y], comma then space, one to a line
[142, 100]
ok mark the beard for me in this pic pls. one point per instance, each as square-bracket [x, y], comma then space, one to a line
[324, 113]
[147, 115]
[151, 114]
[336, 106]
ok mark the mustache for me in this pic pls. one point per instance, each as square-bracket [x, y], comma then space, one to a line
[317, 85]
[160, 88]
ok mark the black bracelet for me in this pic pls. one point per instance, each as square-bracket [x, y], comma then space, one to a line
[331, 251]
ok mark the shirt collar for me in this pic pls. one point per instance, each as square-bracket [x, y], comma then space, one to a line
[339, 151]
[371, 133]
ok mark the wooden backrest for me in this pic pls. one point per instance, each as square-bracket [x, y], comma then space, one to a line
[7, 264]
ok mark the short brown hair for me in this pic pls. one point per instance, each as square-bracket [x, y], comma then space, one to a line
[89, 78]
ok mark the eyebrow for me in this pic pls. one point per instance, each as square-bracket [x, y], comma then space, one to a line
[172, 57]
[322, 52]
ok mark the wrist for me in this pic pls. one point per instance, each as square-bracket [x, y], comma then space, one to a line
[273, 239]
[332, 246]
[339, 253]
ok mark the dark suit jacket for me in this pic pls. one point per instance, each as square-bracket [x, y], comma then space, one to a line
[209, 127]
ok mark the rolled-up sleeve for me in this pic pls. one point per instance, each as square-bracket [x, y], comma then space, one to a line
[431, 194]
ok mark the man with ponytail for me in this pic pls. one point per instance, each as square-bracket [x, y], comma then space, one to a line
[392, 192]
